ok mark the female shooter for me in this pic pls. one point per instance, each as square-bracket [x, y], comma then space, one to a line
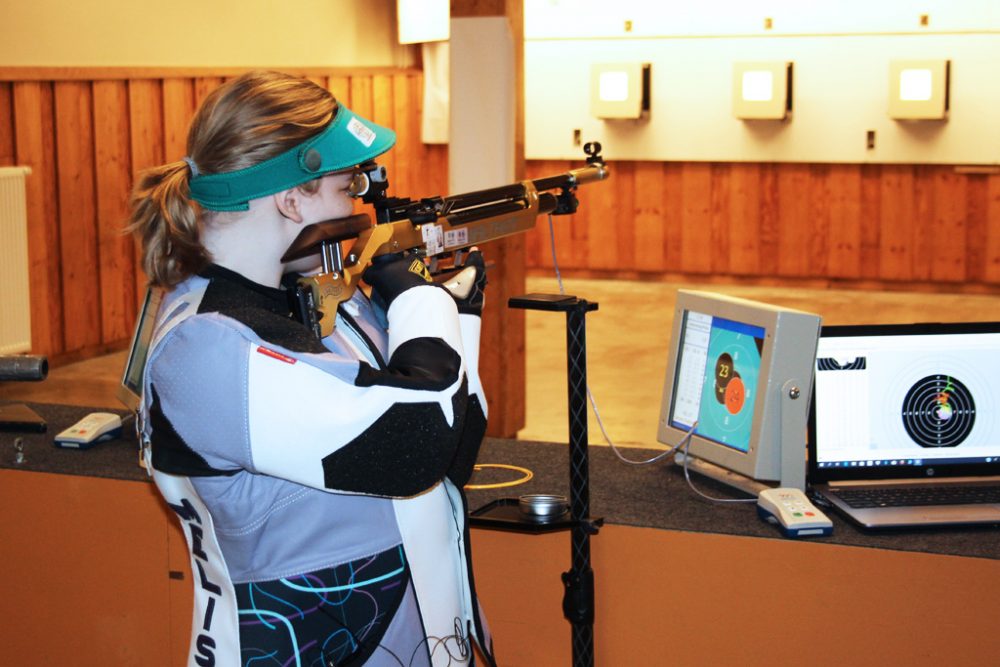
[318, 482]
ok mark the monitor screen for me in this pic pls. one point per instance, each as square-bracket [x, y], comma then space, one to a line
[918, 396]
[739, 373]
[717, 383]
[130, 390]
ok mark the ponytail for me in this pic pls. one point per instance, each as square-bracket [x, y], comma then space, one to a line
[243, 122]
[165, 221]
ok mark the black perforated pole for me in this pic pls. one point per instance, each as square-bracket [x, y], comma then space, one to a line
[578, 598]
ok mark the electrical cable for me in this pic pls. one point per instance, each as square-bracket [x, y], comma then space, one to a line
[590, 395]
[704, 495]
[501, 485]
[684, 442]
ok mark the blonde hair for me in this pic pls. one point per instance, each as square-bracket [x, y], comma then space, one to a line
[242, 123]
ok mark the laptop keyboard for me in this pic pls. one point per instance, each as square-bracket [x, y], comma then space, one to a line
[912, 496]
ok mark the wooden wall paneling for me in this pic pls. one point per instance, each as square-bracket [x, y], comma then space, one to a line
[77, 215]
[6, 124]
[604, 218]
[572, 232]
[537, 247]
[113, 172]
[34, 137]
[870, 235]
[649, 220]
[816, 222]
[976, 207]
[770, 225]
[793, 219]
[879, 225]
[696, 237]
[949, 226]
[923, 222]
[673, 197]
[406, 123]
[362, 101]
[577, 248]
[178, 110]
[340, 86]
[435, 173]
[719, 212]
[841, 216]
[991, 271]
[896, 216]
[429, 175]
[203, 85]
[744, 219]
[147, 136]
[620, 217]
[502, 345]
[383, 114]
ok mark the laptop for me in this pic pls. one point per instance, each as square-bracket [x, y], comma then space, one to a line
[904, 427]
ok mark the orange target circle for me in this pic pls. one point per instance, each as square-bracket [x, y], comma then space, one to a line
[735, 395]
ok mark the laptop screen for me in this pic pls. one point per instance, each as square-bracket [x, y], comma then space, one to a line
[904, 401]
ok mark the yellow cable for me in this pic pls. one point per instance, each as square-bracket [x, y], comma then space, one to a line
[500, 485]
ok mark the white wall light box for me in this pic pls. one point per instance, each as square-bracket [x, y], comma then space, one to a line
[619, 90]
[762, 90]
[423, 20]
[919, 89]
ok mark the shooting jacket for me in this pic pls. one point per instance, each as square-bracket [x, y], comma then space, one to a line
[319, 483]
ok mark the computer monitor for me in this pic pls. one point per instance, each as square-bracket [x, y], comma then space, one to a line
[742, 371]
[130, 389]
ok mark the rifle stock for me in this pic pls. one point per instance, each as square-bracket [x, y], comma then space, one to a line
[429, 227]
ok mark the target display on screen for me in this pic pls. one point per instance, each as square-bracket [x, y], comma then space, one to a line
[938, 411]
[719, 377]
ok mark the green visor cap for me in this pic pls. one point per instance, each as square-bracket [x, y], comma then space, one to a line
[347, 141]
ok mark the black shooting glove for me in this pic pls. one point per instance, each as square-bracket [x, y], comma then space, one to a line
[468, 286]
[391, 275]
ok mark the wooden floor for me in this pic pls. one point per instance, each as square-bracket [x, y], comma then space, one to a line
[626, 342]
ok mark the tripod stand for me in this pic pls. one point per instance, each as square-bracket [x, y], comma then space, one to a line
[578, 582]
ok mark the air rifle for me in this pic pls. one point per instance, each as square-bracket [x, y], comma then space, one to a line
[430, 228]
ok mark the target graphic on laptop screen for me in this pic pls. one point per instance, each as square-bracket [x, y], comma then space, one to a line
[938, 411]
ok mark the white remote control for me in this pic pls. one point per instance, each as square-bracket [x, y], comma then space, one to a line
[92, 429]
[791, 510]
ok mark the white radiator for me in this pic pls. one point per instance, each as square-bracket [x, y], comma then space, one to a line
[15, 306]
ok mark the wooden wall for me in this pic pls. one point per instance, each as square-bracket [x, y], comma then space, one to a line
[86, 133]
[867, 226]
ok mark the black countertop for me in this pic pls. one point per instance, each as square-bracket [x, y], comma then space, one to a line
[654, 496]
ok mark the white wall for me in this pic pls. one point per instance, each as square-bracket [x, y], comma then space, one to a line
[841, 51]
[200, 33]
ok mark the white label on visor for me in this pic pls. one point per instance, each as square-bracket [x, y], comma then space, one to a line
[361, 132]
